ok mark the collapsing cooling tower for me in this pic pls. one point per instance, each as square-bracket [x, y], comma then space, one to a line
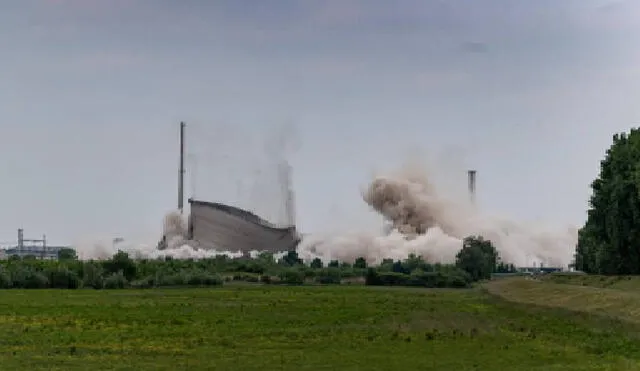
[221, 227]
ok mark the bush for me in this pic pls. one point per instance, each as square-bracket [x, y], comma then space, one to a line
[5, 279]
[458, 281]
[329, 276]
[291, 277]
[360, 263]
[144, 283]
[418, 278]
[175, 279]
[29, 278]
[374, 278]
[246, 277]
[116, 281]
[92, 275]
[121, 271]
[62, 278]
[121, 262]
[371, 278]
[204, 279]
[316, 263]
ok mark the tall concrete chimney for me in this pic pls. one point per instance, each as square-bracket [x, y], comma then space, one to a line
[472, 185]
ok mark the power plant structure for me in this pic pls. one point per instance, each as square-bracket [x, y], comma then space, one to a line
[216, 226]
[35, 247]
[222, 227]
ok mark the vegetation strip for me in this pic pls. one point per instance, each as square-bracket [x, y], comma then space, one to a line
[476, 260]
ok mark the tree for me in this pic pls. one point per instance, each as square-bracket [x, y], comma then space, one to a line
[609, 242]
[503, 267]
[121, 263]
[414, 262]
[67, 254]
[291, 259]
[266, 258]
[478, 257]
[360, 263]
[316, 263]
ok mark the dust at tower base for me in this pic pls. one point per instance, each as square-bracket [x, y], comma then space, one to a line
[220, 227]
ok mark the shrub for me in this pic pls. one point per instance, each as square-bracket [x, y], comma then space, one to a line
[144, 283]
[121, 271]
[28, 278]
[62, 278]
[418, 278]
[92, 275]
[316, 263]
[372, 278]
[204, 279]
[121, 262]
[116, 281]
[246, 277]
[291, 277]
[329, 276]
[175, 279]
[360, 263]
[458, 281]
[5, 279]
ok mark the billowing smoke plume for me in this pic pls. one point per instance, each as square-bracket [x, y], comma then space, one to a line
[419, 221]
[428, 224]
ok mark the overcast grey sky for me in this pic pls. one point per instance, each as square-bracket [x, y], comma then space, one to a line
[527, 92]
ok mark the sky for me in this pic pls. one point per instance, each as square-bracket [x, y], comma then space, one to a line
[529, 93]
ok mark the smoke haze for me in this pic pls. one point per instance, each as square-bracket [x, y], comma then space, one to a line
[424, 222]
[420, 220]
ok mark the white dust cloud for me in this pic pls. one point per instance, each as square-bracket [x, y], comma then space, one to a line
[426, 223]
[174, 244]
[421, 219]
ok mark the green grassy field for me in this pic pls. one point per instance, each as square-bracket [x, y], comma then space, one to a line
[304, 328]
[627, 283]
[619, 304]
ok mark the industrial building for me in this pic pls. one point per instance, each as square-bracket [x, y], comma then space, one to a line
[36, 248]
[221, 227]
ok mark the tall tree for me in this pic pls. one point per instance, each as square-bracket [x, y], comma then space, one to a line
[478, 257]
[609, 242]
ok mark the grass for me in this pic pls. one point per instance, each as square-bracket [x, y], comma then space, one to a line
[627, 283]
[303, 328]
[613, 303]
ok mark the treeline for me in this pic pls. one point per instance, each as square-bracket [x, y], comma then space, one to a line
[476, 261]
[609, 242]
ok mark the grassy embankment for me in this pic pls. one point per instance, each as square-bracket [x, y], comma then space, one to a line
[626, 283]
[304, 328]
[621, 304]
